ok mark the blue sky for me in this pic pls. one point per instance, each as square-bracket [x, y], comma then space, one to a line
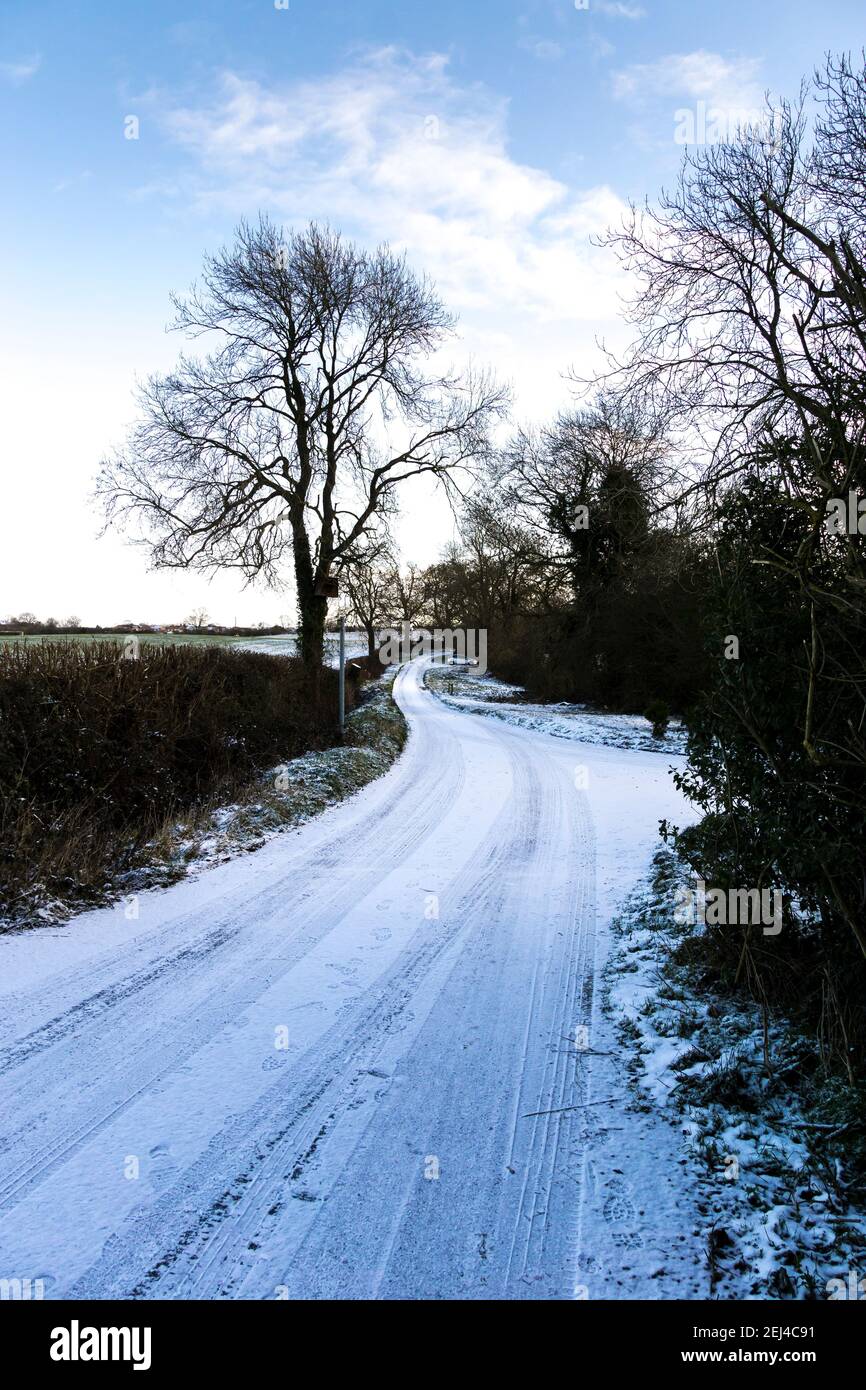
[488, 140]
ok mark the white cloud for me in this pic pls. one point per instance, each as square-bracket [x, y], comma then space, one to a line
[729, 85]
[74, 179]
[16, 73]
[393, 149]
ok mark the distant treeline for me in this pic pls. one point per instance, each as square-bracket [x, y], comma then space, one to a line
[34, 627]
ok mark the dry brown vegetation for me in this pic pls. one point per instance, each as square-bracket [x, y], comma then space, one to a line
[97, 749]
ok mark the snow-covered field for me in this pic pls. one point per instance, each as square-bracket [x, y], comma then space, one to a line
[368, 1060]
[356, 645]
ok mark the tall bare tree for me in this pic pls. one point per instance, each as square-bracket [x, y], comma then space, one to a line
[409, 593]
[294, 432]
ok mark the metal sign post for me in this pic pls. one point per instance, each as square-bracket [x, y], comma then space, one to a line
[342, 674]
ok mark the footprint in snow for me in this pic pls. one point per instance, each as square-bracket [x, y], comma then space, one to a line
[619, 1210]
[162, 1164]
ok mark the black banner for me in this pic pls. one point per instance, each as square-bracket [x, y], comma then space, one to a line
[148, 1338]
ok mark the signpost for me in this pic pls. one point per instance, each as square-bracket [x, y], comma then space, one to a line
[342, 675]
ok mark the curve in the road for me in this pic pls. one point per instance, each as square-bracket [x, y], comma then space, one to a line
[428, 950]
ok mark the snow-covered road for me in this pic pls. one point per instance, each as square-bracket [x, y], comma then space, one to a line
[345, 1065]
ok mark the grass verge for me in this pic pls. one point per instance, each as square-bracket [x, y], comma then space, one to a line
[112, 770]
[281, 798]
[775, 1140]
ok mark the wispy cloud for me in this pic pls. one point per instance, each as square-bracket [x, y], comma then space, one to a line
[17, 73]
[616, 9]
[73, 181]
[721, 82]
[394, 149]
[545, 49]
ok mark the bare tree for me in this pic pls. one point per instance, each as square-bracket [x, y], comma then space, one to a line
[294, 433]
[508, 568]
[409, 592]
[448, 590]
[752, 317]
[370, 593]
[585, 487]
[751, 327]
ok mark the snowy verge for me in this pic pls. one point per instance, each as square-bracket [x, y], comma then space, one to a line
[487, 695]
[293, 792]
[764, 1130]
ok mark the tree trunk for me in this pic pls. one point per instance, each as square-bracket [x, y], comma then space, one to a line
[371, 643]
[313, 611]
[312, 608]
